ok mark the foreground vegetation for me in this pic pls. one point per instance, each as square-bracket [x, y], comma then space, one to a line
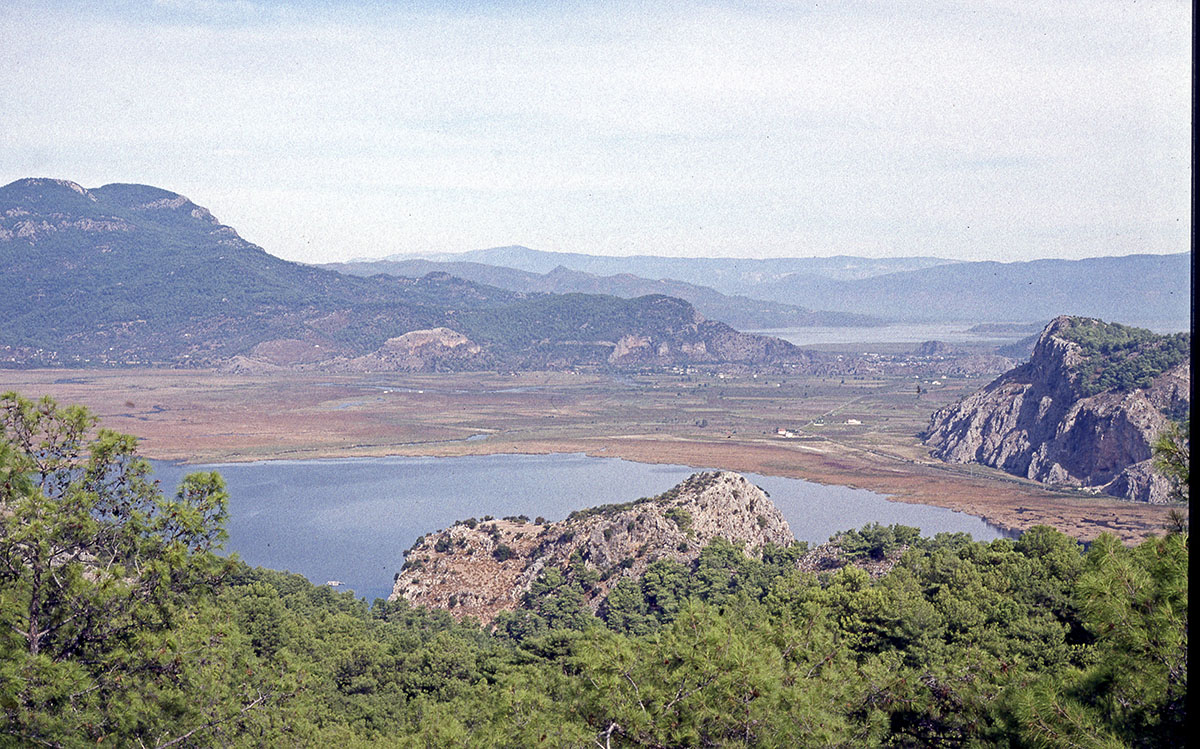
[122, 626]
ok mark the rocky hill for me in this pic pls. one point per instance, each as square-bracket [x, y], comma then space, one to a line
[481, 568]
[135, 275]
[1082, 412]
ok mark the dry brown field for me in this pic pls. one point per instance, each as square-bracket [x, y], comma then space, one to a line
[851, 432]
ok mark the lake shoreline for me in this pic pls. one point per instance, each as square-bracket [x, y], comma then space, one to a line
[856, 432]
[1008, 503]
[349, 519]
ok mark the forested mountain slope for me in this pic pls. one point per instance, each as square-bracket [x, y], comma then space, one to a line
[136, 275]
[1084, 411]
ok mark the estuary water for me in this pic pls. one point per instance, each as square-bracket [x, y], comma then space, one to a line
[352, 519]
[913, 333]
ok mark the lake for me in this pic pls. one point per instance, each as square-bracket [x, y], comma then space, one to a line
[900, 333]
[352, 519]
[914, 333]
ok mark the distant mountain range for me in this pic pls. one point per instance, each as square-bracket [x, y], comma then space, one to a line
[738, 311]
[720, 273]
[1143, 289]
[137, 275]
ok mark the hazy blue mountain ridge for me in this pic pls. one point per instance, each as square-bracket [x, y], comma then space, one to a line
[738, 311]
[1146, 289]
[721, 273]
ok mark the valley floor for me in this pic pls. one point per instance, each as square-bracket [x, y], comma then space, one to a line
[852, 432]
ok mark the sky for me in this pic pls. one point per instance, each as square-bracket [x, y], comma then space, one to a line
[324, 131]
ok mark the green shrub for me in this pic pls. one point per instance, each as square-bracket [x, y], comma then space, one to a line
[681, 517]
[1121, 358]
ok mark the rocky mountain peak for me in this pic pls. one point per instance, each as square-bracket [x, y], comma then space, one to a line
[38, 208]
[1083, 412]
[45, 195]
[145, 199]
[42, 185]
[480, 568]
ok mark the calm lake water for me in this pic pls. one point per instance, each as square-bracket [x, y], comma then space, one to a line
[951, 332]
[907, 333]
[352, 519]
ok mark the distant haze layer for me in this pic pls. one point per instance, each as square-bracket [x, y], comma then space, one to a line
[1150, 290]
[973, 130]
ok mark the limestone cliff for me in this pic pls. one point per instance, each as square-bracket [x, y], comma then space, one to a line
[482, 568]
[1082, 412]
[419, 350]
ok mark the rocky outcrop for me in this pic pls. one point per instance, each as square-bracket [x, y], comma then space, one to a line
[937, 348]
[1047, 420]
[479, 569]
[420, 350]
[629, 347]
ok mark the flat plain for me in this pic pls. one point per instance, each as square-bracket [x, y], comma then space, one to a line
[859, 432]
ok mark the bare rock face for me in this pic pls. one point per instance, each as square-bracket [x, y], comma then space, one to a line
[480, 569]
[418, 350]
[1041, 421]
[416, 341]
[628, 347]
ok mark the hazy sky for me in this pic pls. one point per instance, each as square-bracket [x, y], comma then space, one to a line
[982, 129]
